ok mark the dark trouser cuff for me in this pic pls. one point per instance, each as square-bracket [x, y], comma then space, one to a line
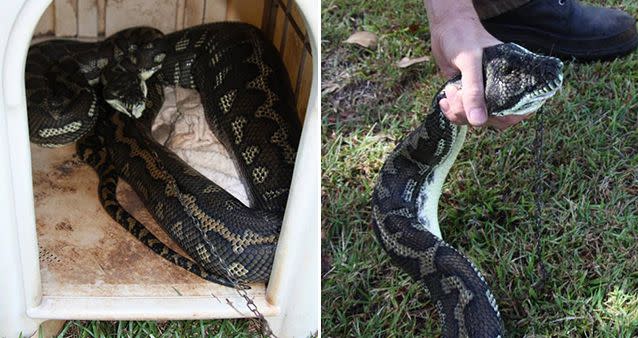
[490, 8]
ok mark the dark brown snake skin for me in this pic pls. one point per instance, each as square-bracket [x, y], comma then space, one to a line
[92, 149]
[249, 105]
[60, 79]
[405, 198]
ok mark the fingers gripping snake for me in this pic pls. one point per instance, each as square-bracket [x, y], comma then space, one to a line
[405, 198]
[248, 103]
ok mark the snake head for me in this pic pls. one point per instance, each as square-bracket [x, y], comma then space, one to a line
[138, 54]
[517, 81]
[150, 57]
[124, 89]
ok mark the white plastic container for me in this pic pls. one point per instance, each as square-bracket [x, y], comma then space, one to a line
[291, 300]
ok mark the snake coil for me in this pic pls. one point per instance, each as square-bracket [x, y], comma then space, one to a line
[248, 103]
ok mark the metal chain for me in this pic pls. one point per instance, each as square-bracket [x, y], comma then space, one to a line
[241, 288]
[538, 198]
[238, 285]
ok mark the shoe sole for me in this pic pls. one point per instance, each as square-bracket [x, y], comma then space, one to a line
[600, 49]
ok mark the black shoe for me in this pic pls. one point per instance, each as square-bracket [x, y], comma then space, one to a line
[567, 29]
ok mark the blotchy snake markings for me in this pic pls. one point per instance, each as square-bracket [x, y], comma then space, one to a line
[249, 104]
[238, 242]
[405, 199]
[107, 194]
[67, 129]
[218, 233]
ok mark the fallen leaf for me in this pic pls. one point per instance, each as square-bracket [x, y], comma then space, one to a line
[407, 62]
[364, 39]
[329, 87]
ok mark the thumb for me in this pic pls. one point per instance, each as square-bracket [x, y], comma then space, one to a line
[473, 92]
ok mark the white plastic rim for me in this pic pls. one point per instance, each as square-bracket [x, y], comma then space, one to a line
[296, 271]
[18, 246]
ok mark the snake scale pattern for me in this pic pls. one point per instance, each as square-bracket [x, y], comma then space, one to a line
[405, 198]
[248, 103]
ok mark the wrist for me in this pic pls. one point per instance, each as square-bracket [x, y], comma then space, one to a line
[441, 13]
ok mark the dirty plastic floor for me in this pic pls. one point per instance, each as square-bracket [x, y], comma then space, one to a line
[86, 255]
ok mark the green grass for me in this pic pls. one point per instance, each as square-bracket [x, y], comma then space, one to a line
[173, 329]
[165, 329]
[590, 189]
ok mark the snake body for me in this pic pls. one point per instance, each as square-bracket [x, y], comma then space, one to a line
[249, 105]
[405, 198]
[92, 150]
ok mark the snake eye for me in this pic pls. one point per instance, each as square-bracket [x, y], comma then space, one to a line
[507, 69]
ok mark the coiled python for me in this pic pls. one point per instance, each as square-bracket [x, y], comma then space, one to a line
[61, 78]
[406, 196]
[249, 105]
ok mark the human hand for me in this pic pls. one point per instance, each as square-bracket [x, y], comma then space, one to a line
[457, 45]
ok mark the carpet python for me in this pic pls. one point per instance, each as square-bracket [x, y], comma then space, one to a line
[406, 196]
[249, 105]
[61, 77]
